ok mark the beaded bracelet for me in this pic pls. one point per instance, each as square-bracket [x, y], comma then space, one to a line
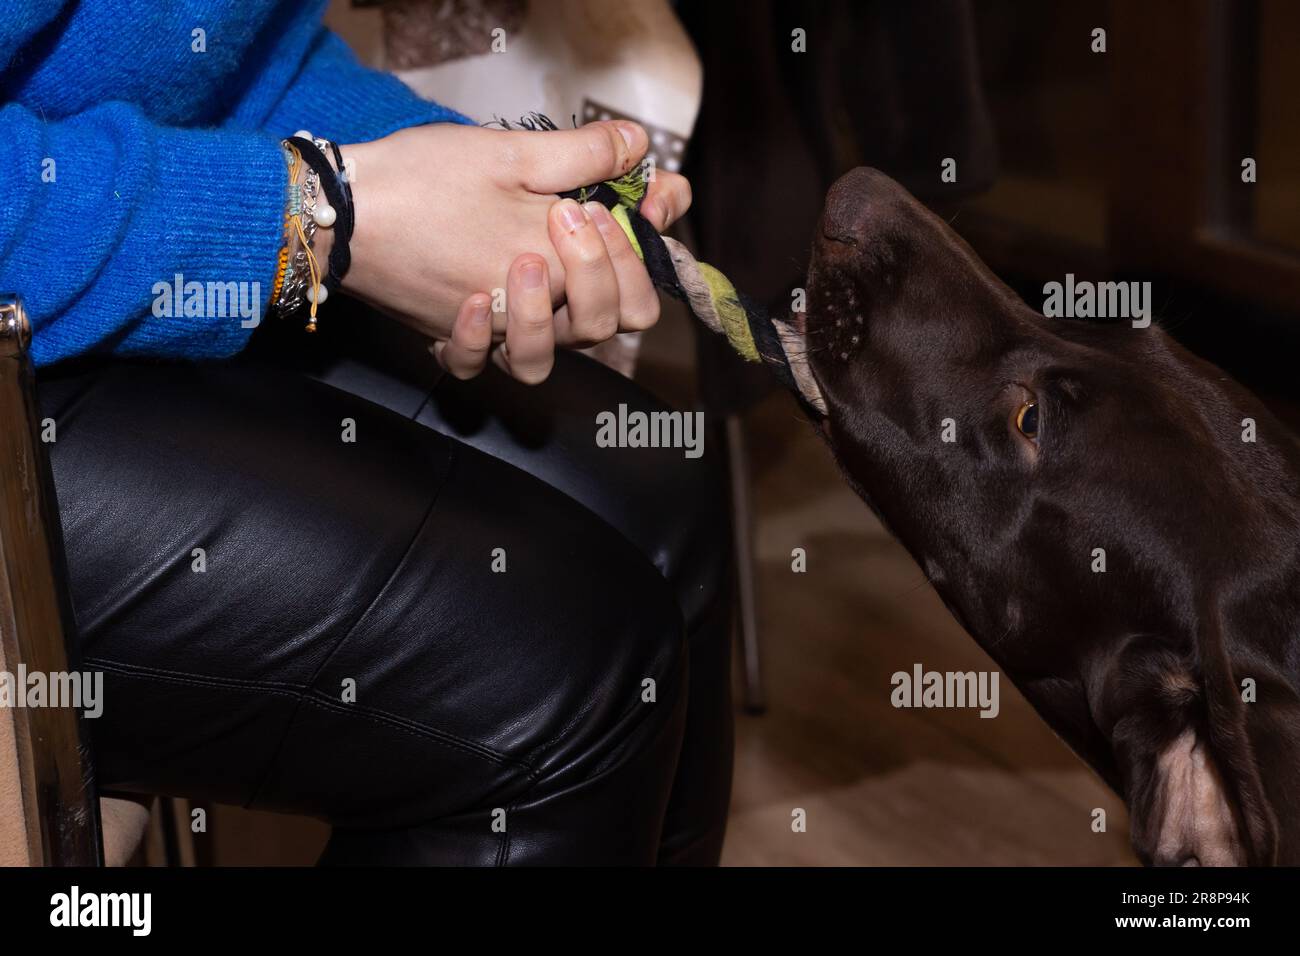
[282, 264]
[301, 279]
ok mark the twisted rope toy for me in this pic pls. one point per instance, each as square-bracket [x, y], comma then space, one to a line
[709, 294]
[751, 332]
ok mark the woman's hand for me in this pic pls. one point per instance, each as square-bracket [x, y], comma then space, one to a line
[607, 290]
[445, 213]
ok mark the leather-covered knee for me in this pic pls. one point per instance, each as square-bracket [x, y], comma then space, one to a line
[671, 506]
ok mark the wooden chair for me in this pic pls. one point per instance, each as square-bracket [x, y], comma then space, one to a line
[49, 814]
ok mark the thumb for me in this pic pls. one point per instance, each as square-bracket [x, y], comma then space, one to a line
[559, 160]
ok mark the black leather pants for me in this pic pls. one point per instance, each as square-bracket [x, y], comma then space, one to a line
[466, 636]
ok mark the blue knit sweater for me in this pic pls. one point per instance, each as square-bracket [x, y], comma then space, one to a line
[134, 148]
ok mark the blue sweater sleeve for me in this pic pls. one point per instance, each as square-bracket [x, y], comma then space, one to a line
[101, 210]
[106, 215]
[334, 96]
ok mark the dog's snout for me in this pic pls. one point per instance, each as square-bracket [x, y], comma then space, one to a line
[847, 214]
[843, 213]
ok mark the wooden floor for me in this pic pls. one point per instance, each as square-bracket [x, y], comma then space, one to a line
[882, 786]
[879, 786]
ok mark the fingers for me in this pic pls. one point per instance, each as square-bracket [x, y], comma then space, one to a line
[606, 290]
[666, 200]
[466, 353]
[590, 285]
[560, 160]
[638, 302]
[529, 350]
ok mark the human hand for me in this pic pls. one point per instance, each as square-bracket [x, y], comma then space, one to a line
[444, 212]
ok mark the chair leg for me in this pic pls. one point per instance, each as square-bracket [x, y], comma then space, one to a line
[742, 523]
[170, 840]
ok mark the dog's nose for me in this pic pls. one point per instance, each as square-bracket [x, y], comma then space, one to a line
[856, 202]
[847, 213]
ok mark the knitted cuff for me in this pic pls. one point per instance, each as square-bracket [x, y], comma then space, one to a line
[136, 213]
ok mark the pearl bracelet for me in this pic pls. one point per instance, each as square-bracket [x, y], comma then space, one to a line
[305, 212]
[336, 213]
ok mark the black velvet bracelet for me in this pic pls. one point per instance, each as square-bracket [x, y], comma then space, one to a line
[347, 186]
[339, 195]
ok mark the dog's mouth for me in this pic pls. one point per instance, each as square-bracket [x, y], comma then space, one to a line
[845, 270]
[831, 328]
[793, 333]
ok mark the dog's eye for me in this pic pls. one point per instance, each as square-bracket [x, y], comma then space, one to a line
[1027, 420]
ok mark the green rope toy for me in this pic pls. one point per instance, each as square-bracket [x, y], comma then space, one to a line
[752, 334]
[708, 293]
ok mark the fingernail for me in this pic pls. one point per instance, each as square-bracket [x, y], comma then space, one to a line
[627, 131]
[531, 273]
[599, 215]
[650, 210]
[571, 215]
[478, 314]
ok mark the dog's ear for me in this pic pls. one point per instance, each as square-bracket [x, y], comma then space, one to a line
[1177, 726]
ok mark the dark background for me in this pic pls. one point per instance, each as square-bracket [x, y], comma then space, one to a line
[1122, 164]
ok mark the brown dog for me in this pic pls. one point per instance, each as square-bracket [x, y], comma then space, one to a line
[1016, 457]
